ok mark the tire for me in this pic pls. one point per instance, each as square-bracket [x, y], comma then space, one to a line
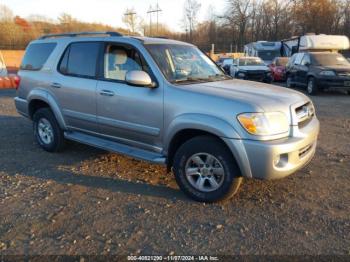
[289, 82]
[311, 87]
[206, 150]
[47, 132]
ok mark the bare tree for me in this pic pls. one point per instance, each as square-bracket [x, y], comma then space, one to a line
[238, 15]
[129, 19]
[6, 14]
[191, 9]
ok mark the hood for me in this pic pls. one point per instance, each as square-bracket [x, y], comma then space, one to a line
[337, 68]
[263, 97]
[251, 68]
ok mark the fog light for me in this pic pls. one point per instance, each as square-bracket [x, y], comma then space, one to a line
[280, 160]
[276, 160]
[241, 75]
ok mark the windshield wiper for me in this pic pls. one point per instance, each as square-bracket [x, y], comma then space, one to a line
[210, 78]
[192, 79]
[220, 76]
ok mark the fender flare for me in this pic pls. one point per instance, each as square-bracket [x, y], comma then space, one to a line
[200, 122]
[222, 129]
[43, 95]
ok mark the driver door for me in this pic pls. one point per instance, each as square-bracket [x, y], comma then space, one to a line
[128, 114]
[304, 69]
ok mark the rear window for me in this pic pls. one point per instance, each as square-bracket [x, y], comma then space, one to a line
[80, 59]
[36, 56]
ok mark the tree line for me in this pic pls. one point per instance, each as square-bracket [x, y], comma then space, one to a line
[246, 21]
[243, 21]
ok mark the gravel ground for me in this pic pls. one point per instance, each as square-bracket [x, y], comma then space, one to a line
[86, 201]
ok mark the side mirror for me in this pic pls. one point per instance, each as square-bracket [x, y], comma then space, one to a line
[139, 78]
[307, 64]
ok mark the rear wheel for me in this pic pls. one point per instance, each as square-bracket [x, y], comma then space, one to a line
[205, 170]
[47, 132]
[312, 88]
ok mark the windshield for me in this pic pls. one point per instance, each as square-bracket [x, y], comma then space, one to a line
[250, 62]
[268, 55]
[329, 59]
[184, 63]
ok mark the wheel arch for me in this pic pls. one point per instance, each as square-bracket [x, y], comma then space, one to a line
[38, 98]
[189, 126]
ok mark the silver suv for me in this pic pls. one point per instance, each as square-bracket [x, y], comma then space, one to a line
[166, 102]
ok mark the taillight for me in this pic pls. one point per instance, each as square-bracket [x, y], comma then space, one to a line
[17, 81]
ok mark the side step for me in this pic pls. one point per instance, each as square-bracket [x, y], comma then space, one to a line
[115, 147]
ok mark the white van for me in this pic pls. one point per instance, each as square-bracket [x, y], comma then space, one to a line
[3, 70]
[267, 51]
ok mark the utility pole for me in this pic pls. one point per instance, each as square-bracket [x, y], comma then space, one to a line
[150, 12]
[132, 21]
[150, 20]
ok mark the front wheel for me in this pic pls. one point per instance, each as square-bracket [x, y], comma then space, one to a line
[312, 88]
[205, 170]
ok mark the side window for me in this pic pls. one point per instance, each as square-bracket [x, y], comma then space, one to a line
[118, 60]
[298, 58]
[80, 59]
[306, 60]
[36, 56]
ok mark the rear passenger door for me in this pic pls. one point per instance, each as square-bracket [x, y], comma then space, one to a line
[75, 85]
[129, 114]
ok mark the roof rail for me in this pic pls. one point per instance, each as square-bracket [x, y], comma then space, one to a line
[80, 34]
[162, 37]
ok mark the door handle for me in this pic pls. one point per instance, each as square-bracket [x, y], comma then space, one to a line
[106, 93]
[56, 85]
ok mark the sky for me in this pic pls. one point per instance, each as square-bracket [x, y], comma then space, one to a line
[110, 12]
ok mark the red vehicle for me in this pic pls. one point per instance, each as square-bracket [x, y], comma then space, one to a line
[278, 68]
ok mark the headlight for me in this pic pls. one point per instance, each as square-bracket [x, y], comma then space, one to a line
[264, 123]
[327, 73]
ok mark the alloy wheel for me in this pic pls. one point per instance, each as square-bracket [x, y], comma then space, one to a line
[204, 172]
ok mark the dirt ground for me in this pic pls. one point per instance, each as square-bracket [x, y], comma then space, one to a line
[86, 201]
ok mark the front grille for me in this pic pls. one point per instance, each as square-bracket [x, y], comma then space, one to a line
[344, 74]
[304, 114]
[304, 151]
[256, 74]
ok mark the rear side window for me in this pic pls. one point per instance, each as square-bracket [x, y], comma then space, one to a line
[80, 59]
[36, 56]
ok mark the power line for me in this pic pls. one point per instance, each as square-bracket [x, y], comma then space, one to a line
[150, 12]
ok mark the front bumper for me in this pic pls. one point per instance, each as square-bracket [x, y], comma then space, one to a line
[278, 158]
[334, 82]
[254, 76]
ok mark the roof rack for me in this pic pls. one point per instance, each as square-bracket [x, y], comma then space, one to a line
[80, 34]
